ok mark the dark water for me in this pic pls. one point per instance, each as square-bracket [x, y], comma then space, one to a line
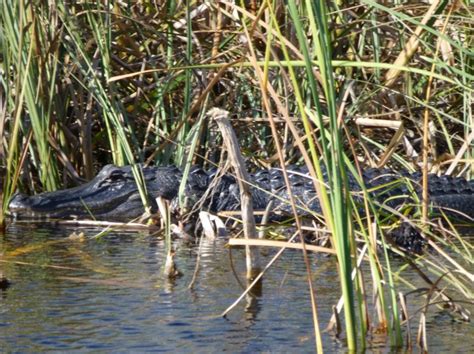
[109, 294]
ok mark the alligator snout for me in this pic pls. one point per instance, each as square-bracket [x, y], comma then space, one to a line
[111, 195]
[18, 204]
[22, 205]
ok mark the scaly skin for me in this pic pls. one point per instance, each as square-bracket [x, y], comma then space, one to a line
[113, 195]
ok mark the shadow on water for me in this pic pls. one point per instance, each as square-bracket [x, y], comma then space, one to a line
[110, 294]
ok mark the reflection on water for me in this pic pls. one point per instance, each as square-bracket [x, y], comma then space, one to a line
[110, 294]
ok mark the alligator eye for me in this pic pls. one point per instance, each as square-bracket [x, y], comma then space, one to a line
[114, 176]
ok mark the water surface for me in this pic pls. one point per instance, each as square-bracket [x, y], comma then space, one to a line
[109, 294]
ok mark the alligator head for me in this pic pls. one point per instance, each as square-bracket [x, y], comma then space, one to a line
[111, 195]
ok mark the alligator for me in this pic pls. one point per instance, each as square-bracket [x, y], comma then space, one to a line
[113, 194]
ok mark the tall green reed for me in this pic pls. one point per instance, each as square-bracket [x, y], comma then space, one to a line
[28, 84]
[337, 211]
[65, 110]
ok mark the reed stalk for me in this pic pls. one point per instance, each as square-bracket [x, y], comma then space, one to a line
[85, 84]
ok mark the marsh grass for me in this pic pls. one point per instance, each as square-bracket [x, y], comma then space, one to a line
[84, 84]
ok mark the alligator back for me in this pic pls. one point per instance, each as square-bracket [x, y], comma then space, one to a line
[113, 194]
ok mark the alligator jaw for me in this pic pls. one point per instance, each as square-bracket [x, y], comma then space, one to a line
[44, 206]
[30, 207]
[111, 195]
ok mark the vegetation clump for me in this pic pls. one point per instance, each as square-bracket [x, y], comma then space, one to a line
[339, 86]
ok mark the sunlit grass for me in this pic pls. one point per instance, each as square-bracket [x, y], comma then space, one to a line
[85, 84]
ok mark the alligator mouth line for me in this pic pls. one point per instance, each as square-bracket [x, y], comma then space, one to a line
[39, 207]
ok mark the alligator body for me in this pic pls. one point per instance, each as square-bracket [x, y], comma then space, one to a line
[113, 194]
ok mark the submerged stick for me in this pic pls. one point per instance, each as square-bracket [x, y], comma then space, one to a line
[230, 140]
[170, 268]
